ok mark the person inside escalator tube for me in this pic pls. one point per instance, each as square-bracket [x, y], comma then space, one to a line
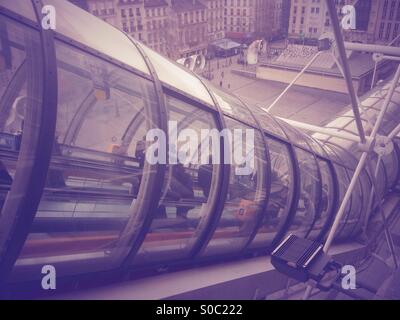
[181, 188]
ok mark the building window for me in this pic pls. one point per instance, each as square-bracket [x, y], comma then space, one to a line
[392, 9]
[381, 28]
[395, 30]
[388, 31]
[385, 6]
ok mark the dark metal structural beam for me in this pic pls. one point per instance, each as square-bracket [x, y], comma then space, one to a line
[141, 213]
[223, 174]
[26, 191]
[346, 68]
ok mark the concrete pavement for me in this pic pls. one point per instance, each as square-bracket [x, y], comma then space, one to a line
[312, 106]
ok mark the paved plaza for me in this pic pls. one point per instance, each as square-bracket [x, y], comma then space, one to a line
[308, 105]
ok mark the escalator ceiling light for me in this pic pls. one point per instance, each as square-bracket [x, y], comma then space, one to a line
[102, 94]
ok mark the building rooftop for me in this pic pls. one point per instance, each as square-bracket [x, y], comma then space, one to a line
[225, 44]
[125, 2]
[187, 5]
[297, 56]
[155, 3]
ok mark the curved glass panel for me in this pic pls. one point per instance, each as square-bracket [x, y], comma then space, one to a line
[330, 152]
[315, 146]
[184, 208]
[232, 105]
[343, 184]
[391, 164]
[345, 173]
[366, 187]
[326, 199]
[382, 178]
[177, 77]
[95, 170]
[246, 192]
[295, 136]
[21, 7]
[389, 122]
[352, 219]
[85, 28]
[307, 210]
[280, 198]
[267, 122]
[20, 60]
[344, 157]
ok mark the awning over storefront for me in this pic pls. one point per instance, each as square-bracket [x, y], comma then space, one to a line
[226, 44]
[240, 36]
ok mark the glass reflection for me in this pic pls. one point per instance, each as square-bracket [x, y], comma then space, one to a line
[267, 122]
[19, 58]
[90, 31]
[184, 208]
[343, 184]
[246, 195]
[95, 174]
[281, 195]
[327, 198]
[231, 105]
[308, 207]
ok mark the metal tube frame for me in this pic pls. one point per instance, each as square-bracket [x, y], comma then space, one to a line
[361, 163]
[267, 182]
[141, 211]
[346, 68]
[21, 205]
[321, 130]
[223, 185]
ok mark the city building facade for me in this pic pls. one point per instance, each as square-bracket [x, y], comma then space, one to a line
[388, 20]
[215, 19]
[308, 19]
[376, 20]
[180, 28]
[104, 9]
[280, 18]
[248, 19]
[156, 25]
[188, 28]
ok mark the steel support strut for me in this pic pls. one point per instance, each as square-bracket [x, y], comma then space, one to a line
[346, 68]
[273, 104]
[365, 153]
